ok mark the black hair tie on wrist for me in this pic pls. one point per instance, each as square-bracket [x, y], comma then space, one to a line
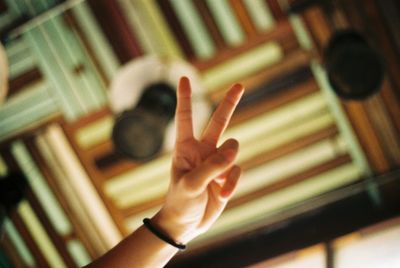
[161, 235]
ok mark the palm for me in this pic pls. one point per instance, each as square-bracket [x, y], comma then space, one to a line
[189, 154]
[205, 206]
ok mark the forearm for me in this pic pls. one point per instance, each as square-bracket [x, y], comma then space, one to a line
[141, 249]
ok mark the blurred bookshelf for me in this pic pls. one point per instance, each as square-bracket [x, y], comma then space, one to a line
[300, 144]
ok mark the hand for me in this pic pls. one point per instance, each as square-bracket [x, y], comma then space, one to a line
[203, 176]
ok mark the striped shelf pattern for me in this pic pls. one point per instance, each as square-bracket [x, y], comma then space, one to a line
[297, 139]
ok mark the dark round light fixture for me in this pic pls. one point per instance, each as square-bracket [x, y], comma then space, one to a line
[355, 70]
[139, 132]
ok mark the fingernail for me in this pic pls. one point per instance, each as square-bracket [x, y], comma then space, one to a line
[238, 87]
[230, 144]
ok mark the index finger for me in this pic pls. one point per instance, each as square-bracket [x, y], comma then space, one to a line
[183, 115]
[222, 115]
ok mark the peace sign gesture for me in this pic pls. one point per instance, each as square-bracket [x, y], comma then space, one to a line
[203, 175]
[202, 181]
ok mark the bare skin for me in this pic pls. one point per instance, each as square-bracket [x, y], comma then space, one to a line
[203, 178]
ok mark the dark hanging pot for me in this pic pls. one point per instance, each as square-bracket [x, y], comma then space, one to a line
[355, 70]
[139, 132]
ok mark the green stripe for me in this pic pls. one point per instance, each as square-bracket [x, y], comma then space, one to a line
[301, 32]
[150, 28]
[156, 169]
[227, 22]
[341, 119]
[241, 66]
[82, 185]
[167, 45]
[136, 19]
[40, 236]
[95, 133]
[33, 94]
[19, 244]
[294, 163]
[21, 56]
[15, 46]
[101, 47]
[51, 70]
[332, 100]
[272, 120]
[195, 30]
[78, 253]
[66, 61]
[25, 109]
[41, 189]
[286, 133]
[85, 85]
[27, 119]
[260, 14]
[153, 188]
[57, 166]
[24, 64]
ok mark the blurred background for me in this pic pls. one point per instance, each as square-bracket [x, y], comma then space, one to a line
[319, 127]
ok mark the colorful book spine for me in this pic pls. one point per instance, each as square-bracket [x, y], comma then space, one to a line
[210, 24]
[25, 109]
[194, 28]
[260, 14]
[243, 17]
[168, 45]
[77, 92]
[102, 48]
[83, 186]
[295, 163]
[241, 66]
[176, 28]
[141, 25]
[78, 252]
[41, 189]
[20, 58]
[92, 92]
[19, 244]
[227, 22]
[40, 236]
[277, 202]
[94, 242]
[67, 100]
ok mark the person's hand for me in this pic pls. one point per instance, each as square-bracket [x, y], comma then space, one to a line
[203, 176]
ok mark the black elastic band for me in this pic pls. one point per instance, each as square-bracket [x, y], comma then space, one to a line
[161, 235]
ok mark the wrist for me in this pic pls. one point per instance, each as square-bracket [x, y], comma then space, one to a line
[170, 227]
